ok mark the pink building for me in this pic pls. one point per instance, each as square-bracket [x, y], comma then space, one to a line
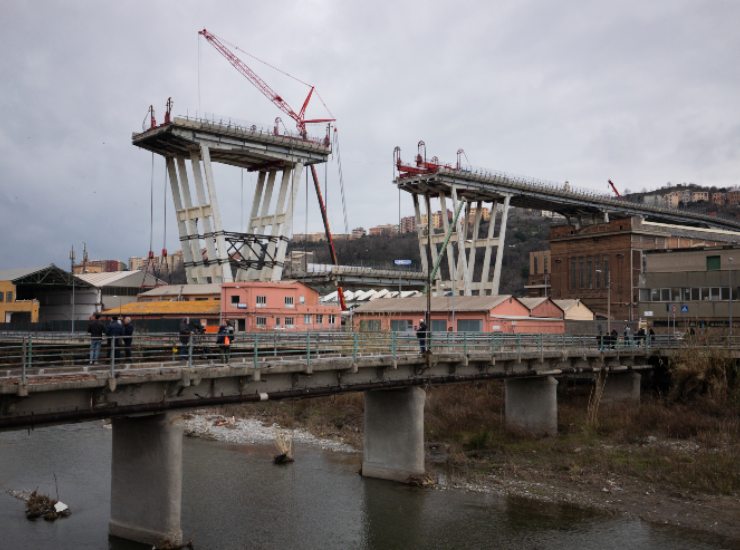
[456, 313]
[284, 305]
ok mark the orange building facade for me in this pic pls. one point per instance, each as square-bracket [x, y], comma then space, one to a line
[504, 314]
[285, 305]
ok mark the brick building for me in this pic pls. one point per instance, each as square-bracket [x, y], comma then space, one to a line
[587, 261]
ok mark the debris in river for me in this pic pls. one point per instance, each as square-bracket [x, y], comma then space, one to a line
[38, 505]
[284, 444]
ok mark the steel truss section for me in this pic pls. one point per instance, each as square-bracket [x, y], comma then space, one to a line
[465, 274]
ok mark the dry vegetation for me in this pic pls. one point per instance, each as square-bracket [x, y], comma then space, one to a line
[685, 441]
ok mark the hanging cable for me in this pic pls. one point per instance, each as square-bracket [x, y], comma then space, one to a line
[151, 205]
[341, 181]
[198, 73]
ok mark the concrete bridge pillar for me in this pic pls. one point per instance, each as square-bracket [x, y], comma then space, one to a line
[622, 386]
[394, 434]
[146, 479]
[532, 405]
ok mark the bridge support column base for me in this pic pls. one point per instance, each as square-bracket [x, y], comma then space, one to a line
[532, 405]
[623, 386]
[146, 480]
[394, 434]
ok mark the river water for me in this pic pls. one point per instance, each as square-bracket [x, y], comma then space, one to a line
[235, 498]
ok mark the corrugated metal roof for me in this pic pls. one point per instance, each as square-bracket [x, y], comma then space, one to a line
[167, 307]
[18, 272]
[184, 290]
[418, 304]
[118, 278]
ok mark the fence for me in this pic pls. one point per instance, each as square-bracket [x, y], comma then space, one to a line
[56, 352]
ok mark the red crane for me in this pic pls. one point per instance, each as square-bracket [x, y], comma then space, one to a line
[614, 188]
[300, 120]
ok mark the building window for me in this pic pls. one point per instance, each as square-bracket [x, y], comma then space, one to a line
[724, 293]
[589, 273]
[704, 294]
[289, 322]
[655, 295]
[695, 294]
[235, 300]
[665, 294]
[469, 325]
[714, 293]
[645, 295]
[9, 296]
[400, 325]
[319, 319]
[581, 272]
[288, 302]
[261, 301]
[277, 321]
[713, 263]
[572, 278]
[306, 319]
[370, 325]
[2, 296]
[261, 321]
[301, 299]
[439, 325]
[685, 294]
[675, 295]
[332, 319]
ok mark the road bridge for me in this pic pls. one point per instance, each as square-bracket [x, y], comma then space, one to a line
[141, 396]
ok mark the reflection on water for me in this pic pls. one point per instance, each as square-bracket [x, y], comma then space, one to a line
[235, 498]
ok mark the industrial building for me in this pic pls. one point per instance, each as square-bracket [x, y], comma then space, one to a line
[684, 288]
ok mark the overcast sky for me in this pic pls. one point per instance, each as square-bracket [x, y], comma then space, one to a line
[643, 93]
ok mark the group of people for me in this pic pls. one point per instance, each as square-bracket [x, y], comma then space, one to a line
[191, 343]
[114, 334]
[610, 340]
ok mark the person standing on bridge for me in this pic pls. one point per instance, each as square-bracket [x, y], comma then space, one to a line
[224, 340]
[96, 329]
[421, 334]
[185, 330]
[128, 333]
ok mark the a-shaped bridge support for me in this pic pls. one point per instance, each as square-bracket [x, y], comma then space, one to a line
[394, 434]
[146, 480]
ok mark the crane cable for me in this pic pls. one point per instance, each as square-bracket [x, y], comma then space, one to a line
[274, 68]
[341, 181]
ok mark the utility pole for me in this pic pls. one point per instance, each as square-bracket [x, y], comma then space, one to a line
[72, 271]
[729, 275]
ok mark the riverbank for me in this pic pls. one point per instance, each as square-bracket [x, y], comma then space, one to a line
[584, 470]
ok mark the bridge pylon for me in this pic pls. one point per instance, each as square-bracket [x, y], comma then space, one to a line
[190, 146]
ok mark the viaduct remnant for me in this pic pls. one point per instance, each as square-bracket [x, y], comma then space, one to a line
[190, 146]
[476, 194]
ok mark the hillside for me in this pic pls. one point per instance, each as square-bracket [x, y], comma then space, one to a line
[525, 233]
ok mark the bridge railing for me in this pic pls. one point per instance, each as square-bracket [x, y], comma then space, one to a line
[55, 353]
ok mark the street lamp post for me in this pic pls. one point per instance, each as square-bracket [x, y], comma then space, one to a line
[608, 300]
[72, 272]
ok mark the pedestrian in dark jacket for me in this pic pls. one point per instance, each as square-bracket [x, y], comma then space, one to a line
[421, 334]
[96, 329]
[115, 331]
[128, 332]
[185, 330]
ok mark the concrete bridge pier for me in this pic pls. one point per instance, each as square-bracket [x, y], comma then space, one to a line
[394, 434]
[146, 479]
[622, 386]
[532, 405]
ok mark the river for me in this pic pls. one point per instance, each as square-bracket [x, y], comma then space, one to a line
[235, 498]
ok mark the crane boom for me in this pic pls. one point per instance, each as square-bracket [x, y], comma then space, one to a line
[614, 188]
[263, 86]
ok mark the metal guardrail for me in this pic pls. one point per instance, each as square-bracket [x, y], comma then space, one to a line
[49, 354]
